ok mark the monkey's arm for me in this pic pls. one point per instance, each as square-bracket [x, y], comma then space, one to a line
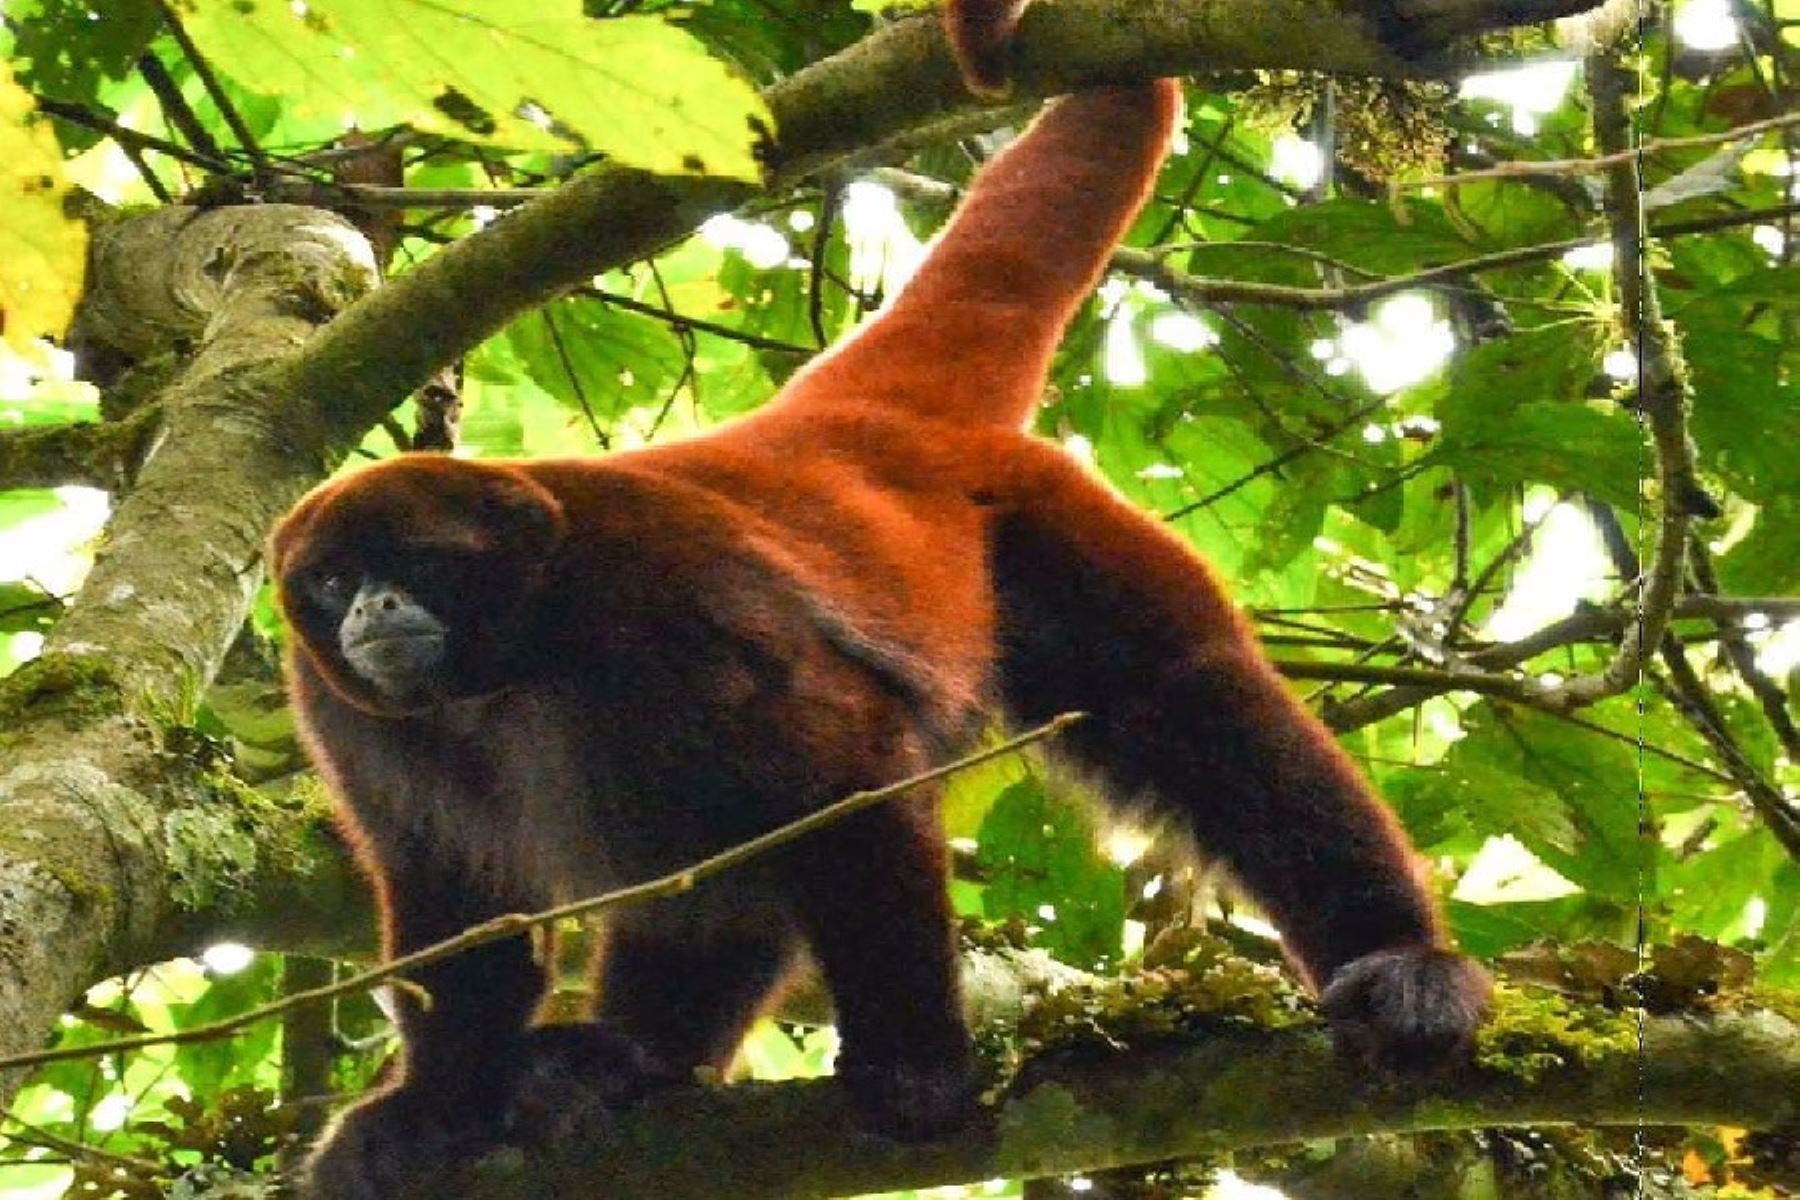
[461, 1019]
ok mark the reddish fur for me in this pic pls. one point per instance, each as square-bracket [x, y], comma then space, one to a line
[980, 33]
[819, 598]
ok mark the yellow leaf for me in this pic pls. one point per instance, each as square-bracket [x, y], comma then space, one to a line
[42, 252]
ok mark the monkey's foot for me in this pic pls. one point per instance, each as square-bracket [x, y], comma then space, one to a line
[911, 1101]
[574, 1077]
[388, 1144]
[1409, 1009]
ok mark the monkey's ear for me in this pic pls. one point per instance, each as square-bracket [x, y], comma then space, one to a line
[521, 513]
[288, 534]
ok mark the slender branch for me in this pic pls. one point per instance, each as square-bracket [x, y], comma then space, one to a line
[1663, 391]
[1356, 417]
[1768, 693]
[513, 924]
[1522, 689]
[1689, 695]
[176, 110]
[1585, 624]
[129, 138]
[32, 1135]
[240, 129]
[1604, 162]
[1154, 265]
[680, 321]
[1205, 289]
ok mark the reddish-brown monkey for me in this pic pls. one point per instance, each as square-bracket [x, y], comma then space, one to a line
[529, 681]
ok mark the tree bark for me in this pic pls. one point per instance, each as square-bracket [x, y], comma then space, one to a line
[1226, 1091]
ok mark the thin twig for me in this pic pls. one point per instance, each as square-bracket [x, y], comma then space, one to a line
[33, 1135]
[1689, 695]
[1604, 162]
[240, 129]
[1663, 392]
[514, 924]
[86, 118]
[1769, 694]
[682, 321]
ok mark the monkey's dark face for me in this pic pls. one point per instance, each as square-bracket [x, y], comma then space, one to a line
[409, 584]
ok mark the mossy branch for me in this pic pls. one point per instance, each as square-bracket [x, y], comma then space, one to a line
[1234, 1088]
[895, 88]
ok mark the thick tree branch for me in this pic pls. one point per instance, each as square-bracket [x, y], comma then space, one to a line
[1226, 1090]
[114, 834]
[895, 87]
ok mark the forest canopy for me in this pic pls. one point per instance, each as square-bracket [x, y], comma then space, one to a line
[1473, 370]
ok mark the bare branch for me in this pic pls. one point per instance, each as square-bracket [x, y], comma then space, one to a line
[1604, 162]
[1663, 392]
[513, 924]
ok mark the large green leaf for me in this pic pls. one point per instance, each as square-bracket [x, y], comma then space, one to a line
[1781, 931]
[1568, 796]
[1039, 858]
[596, 359]
[526, 76]
[1389, 238]
[62, 50]
[1514, 410]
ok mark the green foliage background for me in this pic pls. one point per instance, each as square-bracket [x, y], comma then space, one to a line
[1380, 507]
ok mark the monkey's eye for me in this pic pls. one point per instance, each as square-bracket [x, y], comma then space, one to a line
[330, 590]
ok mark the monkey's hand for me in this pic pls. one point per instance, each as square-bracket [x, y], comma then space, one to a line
[1410, 1009]
[577, 1077]
[385, 1145]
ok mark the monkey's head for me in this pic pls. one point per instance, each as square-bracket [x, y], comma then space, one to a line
[408, 584]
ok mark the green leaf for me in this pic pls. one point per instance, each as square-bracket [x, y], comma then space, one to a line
[208, 1067]
[1487, 930]
[1767, 561]
[525, 76]
[1746, 414]
[63, 51]
[1369, 234]
[1568, 796]
[1781, 966]
[1709, 892]
[1769, 285]
[1568, 446]
[1036, 851]
[1289, 524]
[1495, 379]
[597, 360]
[26, 608]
